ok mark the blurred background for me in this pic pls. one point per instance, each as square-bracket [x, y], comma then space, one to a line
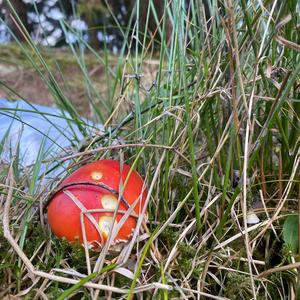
[96, 20]
[106, 26]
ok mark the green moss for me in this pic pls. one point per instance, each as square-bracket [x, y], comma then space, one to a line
[4, 246]
[237, 286]
[169, 236]
[185, 259]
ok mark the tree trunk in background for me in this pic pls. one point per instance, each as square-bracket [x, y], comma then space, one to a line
[21, 9]
[92, 24]
[152, 25]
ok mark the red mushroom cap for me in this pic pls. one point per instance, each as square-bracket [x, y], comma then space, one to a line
[97, 186]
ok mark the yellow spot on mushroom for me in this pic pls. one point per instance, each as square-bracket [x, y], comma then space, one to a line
[96, 175]
[105, 224]
[109, 202]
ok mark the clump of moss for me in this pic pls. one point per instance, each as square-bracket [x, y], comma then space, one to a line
[169, 236]
[71, 254]
[36, 236]
[185, 259]
[238, 286]
[4, 246]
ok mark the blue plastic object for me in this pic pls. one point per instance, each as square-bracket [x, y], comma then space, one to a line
[35, 132]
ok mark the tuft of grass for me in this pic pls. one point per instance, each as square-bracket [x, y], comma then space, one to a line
[207, 109]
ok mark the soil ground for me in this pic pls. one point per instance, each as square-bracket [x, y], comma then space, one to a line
[17, 73]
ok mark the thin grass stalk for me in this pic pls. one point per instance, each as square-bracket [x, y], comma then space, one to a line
[182, 65]
[141, 260]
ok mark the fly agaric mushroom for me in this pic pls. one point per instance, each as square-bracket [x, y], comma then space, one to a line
[86, 203]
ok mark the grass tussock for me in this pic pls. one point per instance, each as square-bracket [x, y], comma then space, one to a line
[213, 127]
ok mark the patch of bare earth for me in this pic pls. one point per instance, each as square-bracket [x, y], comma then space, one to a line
[30, 86]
